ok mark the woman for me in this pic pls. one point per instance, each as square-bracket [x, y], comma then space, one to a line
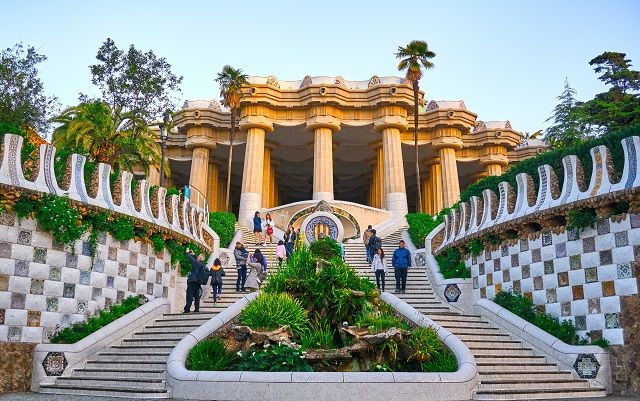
[255, 268]
[290, 240]
[379, 266]
[241, 255]
[268, 225]
[281, 252]
[216, 274]
[257, 228]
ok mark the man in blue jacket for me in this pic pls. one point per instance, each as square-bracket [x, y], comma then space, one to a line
[401, 261]
[193, 284]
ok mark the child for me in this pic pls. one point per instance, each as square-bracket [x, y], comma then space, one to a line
[281, 252]
[216, 274]
[379, 266]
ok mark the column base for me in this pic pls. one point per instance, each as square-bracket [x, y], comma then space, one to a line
[250, 202]
[397, 204]
[325, 196]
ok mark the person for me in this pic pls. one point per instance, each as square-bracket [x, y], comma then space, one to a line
[375, 243]
[290, 240]
[216, 273]
[365, 238]
[281, 252]
[257, 228]
[255, 268]
[342, 251]
[193, 284]
[379, 267]
[268, 228]
[400, 262]
[241, 255]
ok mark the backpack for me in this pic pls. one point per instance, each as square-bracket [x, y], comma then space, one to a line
[377, 242]
[202, 275]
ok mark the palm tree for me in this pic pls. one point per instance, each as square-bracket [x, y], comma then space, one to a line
[231, 81]
[413, 57]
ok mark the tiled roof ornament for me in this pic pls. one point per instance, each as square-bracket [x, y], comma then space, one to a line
[273, 82]
[375, 80]
[480, 126]
[339, 81]
[323, 206]
[507, 124]
[305, 82]
[432, 105]
[215, 105]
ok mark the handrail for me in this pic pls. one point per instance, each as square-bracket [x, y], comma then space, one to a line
[199, 202]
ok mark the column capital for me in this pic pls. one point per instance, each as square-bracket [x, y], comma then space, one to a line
[323, 122]
[500, 160]
[390, 121]
[200, 142]
[447, 142]
[257, 121]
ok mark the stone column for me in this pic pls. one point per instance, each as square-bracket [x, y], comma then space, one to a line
[435, 186]
[266, 178]
[494, 158]
[424, 187]
[252, 174]
[199, 173]
[380, 178]
[273, 202]
[221, 193]
[323, 128]
[212, 187]
[375, 187]
[394, 183]
[449, 174]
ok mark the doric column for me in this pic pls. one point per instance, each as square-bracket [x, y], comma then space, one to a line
[435, 185]
[380, 194]
[494, 158]
[375, 187]
[212, 187]
[266, 178]
[392, 122]
[274, 187]
[200, 142]
[323, 128]
[424, 187]
[448, 140]
[253, 173]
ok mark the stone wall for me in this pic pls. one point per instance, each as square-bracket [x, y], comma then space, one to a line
[15, 367]
[625, 360]
[44, 286]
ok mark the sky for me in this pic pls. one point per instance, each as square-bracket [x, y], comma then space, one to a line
[506, 59]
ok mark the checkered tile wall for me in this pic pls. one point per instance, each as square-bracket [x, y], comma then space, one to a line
[572, 276]
[44, 286]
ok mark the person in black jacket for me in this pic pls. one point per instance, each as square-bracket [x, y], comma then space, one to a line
[193, 285]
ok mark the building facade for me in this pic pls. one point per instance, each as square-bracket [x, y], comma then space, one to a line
[347, 143]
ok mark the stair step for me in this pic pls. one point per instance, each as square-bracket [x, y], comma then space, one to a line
[183, 329]
[500, 353]
[145, 341]
[120, 372]
[121, 391]
[157, 336]
[525, 374]
[487, 366]
[126, 363]
[480, 346]
[147, 357]
[564, 384]
[112, 381]
[537, 394]
[508, 359]
[465, 325]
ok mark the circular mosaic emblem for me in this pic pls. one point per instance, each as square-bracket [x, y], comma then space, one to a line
[54, 364]
[321, 226]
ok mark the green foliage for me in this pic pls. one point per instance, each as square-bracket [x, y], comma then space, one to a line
[420, 225]
[25, 207]
[224, 224]
[523, 307]
[476, 247]
[451, 265]
[579, 219]
[325, 248]
[172, 191]
[28, 148]
[158, 242]
[424, 343]
[273, 310]
[379, 321]
[23, 102]
[318, 335]
[122, 229]
[275, 358]
[210, 354]
[78, 331]
[56, 216]
[600, 342]
[442, 361]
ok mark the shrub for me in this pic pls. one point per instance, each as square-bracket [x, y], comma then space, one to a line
[325, 248]
[224, 224]
[56, 216]
[271, 310]
[476, 247]
[210, 354]
[122, 229]
[515, 303]
[276, 358]
[424, 344]
[318, 335]
[379, 321]
[78, 331]
[25, 207]
[158, 242]
[420, 225]
[451, 265]
[581, 219]
[442, 361]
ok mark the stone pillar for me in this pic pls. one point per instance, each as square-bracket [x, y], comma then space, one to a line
[273, 202]
[424, 187]
[252, 174]
[380, 178]
[266, 178]
[449, 174]
[435, 186]
[494, 158]
[199, 172]
[323, 128]
[394, 183]
[221, 193]
[375, 187]
[212, 187]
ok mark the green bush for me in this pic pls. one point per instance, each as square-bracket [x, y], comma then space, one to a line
[275, 358]
[424, 344]
[78, 331]
[25, 207]
[122, 229]
[451, 265]
[56, 216]
[379, 321]
[318, 335]
[224, 224]
[210, 354]
[476, 247]
[442, 361]
[554, 159]
[581, 219]
[515, 303]
[158, 242]
[270, 311]
[420, 225]
[325, 248]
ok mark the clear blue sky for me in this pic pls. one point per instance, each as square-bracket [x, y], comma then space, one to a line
[505, 59]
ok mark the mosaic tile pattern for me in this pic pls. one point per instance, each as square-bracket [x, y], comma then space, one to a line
[576, 276]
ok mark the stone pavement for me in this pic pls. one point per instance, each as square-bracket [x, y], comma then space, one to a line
[63, 397]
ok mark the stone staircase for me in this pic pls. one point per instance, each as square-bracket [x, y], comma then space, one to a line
[507, 369]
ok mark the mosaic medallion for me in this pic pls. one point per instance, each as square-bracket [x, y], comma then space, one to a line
[625, 271]
[586, 366]
[40, 255]
[452, 292]
[24, 237]
[421, 259]
[224, 258]
[611, 320]
[324, 221]
[54, 364]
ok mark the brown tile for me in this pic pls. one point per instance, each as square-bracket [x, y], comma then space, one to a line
[537, 283]
[506, 276]
[552, 297]
[517, 287]
[595, 335]
[591, 275]
[563, 279]
[529, 295]
[608, 289]
[594, 305]
[541, 309]
[33, 318]
[4, 282]
[483, 292]
[498, 288]
[605, 257]
[496, 265]
[575, 262]
[536, 255]
[515, 260]
[589, 244]
[490, 279]
[578, 292]
[565, 309]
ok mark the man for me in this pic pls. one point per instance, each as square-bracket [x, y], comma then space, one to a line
[401, 261]
[241, 255]
[365, 238]
[375, 243]
[193, 282]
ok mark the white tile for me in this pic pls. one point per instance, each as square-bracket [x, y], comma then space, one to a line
[497, 277]
[595, 322]
[41, 239]
[15, 317]
[576, 277]
[634, 236]
[607, 272]
[526, 285]
[141, 287]
[27, 224]
[614, 336]
[515, 273]
[111, 267]
[540, 297]
[507, 286]
[53, 288]
[475, 271]
[610, 304]
[31, 335]
[564, 294]
[553, 309]
[548, 252]
[580, 307]
[623, 254]
[38, 270]
[623, 225]
[132, 272]
[491, 291]
[98, 280]
[7, 266]
[627, 286]
[20, 285]
[550, 281]
[84, 262]
[605, 242]
[67, 305]
[561, 264]
[123, 256]
[83, 292]
[524, 258]
[5, 299]
[535, 243]
[593, 290]
[111, 292]
[50, 319]
[536, 269]
[482, 281]
[119, 284]
[9, 234]
[35, 302]
[4, 331]
[574, 248]
[22, 252]
[590, 259]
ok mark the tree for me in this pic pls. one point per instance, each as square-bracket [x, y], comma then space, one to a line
[413, 58]
[231, 81]
[22, 98]
[94, 129]
[615, 70]
[569, 127]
